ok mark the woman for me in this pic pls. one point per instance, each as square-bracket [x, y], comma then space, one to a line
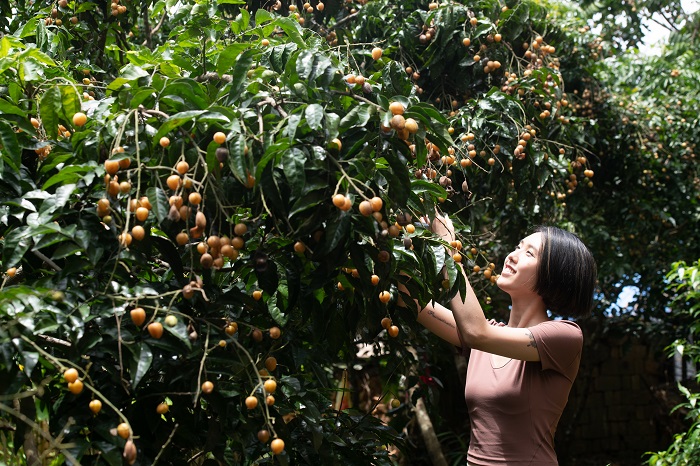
[520, 374]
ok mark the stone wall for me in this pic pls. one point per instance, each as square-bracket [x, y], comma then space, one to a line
[620, 403]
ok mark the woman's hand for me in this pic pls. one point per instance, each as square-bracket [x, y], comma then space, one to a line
[443, 227]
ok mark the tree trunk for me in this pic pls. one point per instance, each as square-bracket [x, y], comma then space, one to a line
[426, 429]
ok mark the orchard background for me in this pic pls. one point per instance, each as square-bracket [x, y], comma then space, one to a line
[206, 207]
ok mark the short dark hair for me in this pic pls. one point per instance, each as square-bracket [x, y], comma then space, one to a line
[567, 273]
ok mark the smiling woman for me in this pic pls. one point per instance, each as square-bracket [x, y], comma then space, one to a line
[520, 374]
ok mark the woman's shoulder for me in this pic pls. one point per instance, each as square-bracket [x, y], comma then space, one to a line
[566, 330]
[561, 325]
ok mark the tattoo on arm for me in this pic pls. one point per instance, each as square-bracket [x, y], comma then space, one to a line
[532, 343]
[432, 314]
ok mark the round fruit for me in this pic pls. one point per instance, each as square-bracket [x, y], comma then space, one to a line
[95, 406]
[35, 123]
[219, 137]
[79, 119]
[162, 408]
[269, 400]
[270, 386]
[164, 142]
[207, 387]
[231, 329]
[264, 435]
[240, 229]
[75, 387]
[299, 247]
[386, 322]
[336, 144]
[251, 402]
[398, 122]
[393, 331]
[466, 41]
[155, 329]
[277, 446]
[384, 296]
[411, 125]
[265, 42]
[396, 108]
[141, 214]
[320, 6]
[257, 294]
[275, 333]
[257, 335]
[11, 272]
[138, 316]
[271, 363]
[70, 375]
[395, 403]
[170, 320]
[339, 200]
[377, 53]
[173, 182]
[182, 167]
[375, 280]
[123, 430]
[138, 232]
[111, 166]
[366, 208]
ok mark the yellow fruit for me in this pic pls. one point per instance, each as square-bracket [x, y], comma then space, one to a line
[79, 119]
[270, 386]
[396, 108]
[164, 142]
[162, 408]
[277, 446]
[384, 296]
[95, 406]
[377, 53]
[207, 387]
[70, 375]
[219, 137]
[123, 430]
[75, 387]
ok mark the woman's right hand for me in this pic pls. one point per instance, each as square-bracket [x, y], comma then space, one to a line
[443, 227]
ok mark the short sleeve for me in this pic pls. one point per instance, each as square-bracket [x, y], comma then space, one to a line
[559, 343]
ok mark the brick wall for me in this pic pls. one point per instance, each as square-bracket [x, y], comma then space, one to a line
[620, 403]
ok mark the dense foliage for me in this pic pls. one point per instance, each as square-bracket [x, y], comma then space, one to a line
[204, 202]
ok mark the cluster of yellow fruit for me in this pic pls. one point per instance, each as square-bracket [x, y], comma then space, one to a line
[75, 385]
[117, 9]
[404, 127]
[391, 329]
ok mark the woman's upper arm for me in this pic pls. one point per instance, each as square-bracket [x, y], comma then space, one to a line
[516, 343]
[440, 321]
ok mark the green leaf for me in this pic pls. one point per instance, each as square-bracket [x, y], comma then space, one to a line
[237, 159]
[229, 56]
[50, 109]
[140, 362]
[314, 116]
[69, 174]
[176, 121]
[70, 100]
[240, 73]
[310, 65]
[395, 80]
[293, 166]
[16, 245]
[292, 29]
[8, 109]
[159, 202]
[358, 116]
[10, 145]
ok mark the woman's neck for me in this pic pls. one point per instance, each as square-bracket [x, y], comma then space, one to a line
[526, 312]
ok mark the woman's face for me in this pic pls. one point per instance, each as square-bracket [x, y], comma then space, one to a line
[520, 268]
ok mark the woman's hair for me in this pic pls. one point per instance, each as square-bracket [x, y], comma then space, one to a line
[566, 274]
